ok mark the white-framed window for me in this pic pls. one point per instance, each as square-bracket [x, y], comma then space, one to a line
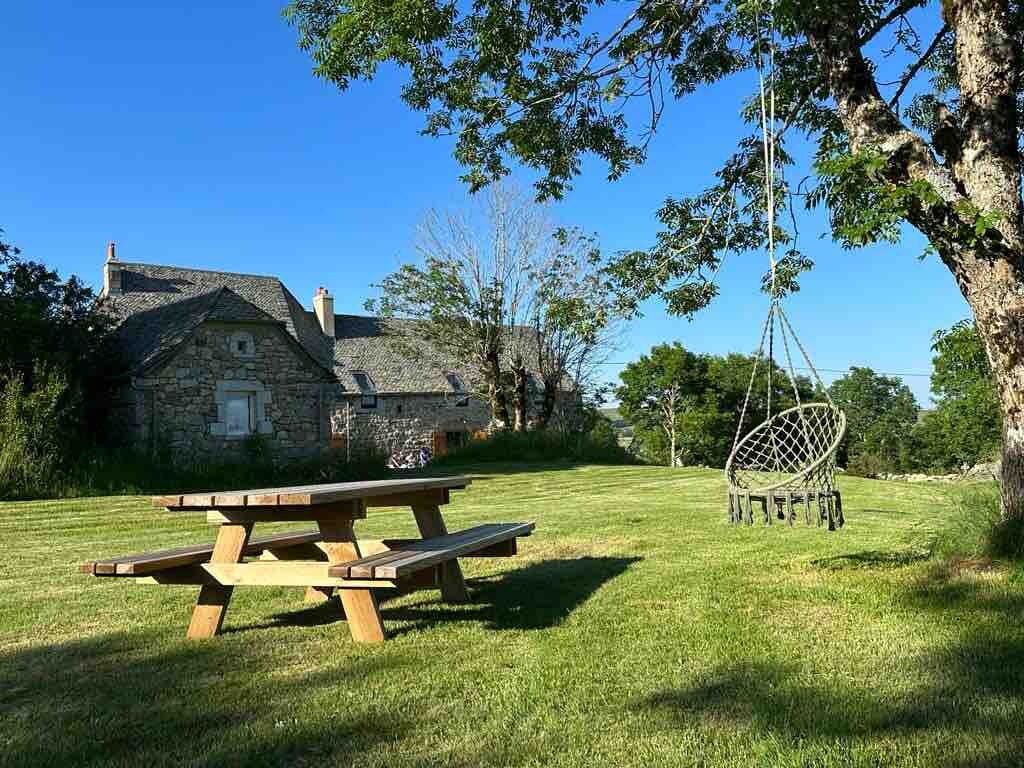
[242, 344]
[240, 413]
[242, 409]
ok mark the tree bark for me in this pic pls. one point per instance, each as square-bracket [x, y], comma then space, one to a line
[981, 174]
[496, 390]
[547, 409]
[520, 396]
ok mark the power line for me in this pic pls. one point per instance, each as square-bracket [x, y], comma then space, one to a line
[825, 370]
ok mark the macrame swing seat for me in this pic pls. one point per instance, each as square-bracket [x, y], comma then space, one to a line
[787, 464]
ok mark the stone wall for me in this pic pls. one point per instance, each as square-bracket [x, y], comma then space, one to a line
[183, 402]
[405, 422]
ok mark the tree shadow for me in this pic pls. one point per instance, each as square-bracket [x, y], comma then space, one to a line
[134, 699]
[539, 596]
[969, 692]
[871, 560]
[943, 589]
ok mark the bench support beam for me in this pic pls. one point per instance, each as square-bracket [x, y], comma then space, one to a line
[431, 524]
[212, 604]
[361, 610]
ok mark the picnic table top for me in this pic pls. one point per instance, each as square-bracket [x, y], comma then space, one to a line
[307, 495]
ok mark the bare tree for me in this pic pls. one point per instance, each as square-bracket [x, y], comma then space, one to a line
[498, 284]
[576, 323]
[670, 405]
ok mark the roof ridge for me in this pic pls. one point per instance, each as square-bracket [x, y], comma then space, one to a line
[198, 269]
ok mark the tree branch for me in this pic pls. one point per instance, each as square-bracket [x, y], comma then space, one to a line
[912, 71]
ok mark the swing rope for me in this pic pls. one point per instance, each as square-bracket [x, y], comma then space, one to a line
[790, 456]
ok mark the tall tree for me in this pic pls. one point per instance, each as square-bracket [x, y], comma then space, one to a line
[575, 322]
[964, 428]
[656, 390]
[544, 82]
[489, 290]
[880, 415]
[49, 324]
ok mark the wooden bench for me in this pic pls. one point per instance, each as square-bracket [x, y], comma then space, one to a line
[409, 557]
[147, 563]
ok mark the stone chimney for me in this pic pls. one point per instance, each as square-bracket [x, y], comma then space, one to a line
[323, 305]
[112, 272]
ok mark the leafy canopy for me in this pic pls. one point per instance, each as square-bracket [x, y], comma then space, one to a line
[712, 388]
[880, 416]
[545, 83]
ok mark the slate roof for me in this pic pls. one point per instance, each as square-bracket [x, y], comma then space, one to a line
[161, 306]
[396, 359]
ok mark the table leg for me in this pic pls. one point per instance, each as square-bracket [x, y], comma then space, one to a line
[361, 611]
[431, 524]
[212, 604]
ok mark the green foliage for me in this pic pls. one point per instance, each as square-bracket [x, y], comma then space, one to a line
[597, 446]
[880, 414]
[34, 425]
[976, 528]
[868, 464]
[544, 84]
[56, 370]
[602, 434]
[51, 325]
[864, 206]
[712, 391]
[966, 426]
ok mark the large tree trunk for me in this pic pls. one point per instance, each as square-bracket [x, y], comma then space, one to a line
[999, 313]
[980, 173]
[520, 396]
[496, 391]
[547, 409]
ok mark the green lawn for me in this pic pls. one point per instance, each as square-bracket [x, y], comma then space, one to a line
[635, 628]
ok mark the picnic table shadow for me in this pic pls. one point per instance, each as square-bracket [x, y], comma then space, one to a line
[536, 596]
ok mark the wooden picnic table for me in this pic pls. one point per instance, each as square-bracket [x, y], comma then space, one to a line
[327, 560]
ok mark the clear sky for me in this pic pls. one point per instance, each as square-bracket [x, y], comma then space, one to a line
[196, 135]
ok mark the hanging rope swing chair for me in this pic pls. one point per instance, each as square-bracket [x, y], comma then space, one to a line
[787, 463]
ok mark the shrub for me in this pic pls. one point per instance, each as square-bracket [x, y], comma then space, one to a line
[126, 471]
[32, 433]
[595, 447]
[976, 528]
[868, 465]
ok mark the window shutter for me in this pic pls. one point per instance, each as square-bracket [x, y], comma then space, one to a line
[440, 444]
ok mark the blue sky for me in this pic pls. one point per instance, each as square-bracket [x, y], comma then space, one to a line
[197, 136]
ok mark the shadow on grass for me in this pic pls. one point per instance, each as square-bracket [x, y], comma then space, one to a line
[871, 559]
[539, 596]
[968, 696]
[134, 699]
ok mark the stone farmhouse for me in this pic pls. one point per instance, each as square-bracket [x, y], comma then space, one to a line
[215, 357]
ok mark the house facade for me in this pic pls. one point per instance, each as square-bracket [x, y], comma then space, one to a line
[214, 358]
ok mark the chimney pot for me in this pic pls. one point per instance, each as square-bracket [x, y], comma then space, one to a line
[323, 306]
[112, 284]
